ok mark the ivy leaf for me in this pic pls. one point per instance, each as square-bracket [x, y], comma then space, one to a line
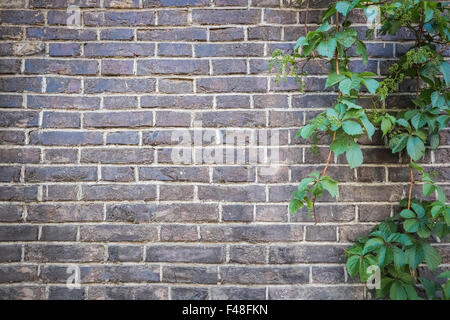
[398, 143]
[445, 70]
[300, 42]
[343, 7]
[346, 37]
[397, 292]
[339, 146]
[304, 183]
[411, 225]
[334, 78]
[435, 140]
[372, 245]
[295, 205]
[307, 131]
[432, 256]
[345, 86]
[353, 265]
[354, 155]
[330, 185]
[386, 125]
[399, 258]
[352, 128]
[327, 47]
[437, 100]
[415, 148]
[415, 256]
[371, 84]
[370, 129]
[362, 51]
[429, 286]
[428, 189]
[407, 214]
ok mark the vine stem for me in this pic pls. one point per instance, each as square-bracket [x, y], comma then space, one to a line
[334, 134]
[410, 184]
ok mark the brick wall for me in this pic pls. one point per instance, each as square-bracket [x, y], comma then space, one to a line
[88, 181]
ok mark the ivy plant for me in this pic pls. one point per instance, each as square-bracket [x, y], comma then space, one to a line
[400, 244]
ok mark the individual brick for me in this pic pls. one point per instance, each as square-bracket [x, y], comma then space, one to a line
[122, 253]
[247, 254]
[119, 192]
[112, 156]
[172, 17]
[229, 66]
[233, 174]
[235, 84]
[185, 293]
[133, 119]
[232, 193]
[119, 49]
[63, 102]
[270, 101]
[177, 102]
[280, 16]
[264, 275]
[60, 155]
[175, 86]
[22, 119]
[63, 293]
[122, 174]
[176, 192]
[117, 67]
[192, 174]
[64, 253]
[18, 193]
[241, 293]
[265, 33]
[321, 233]
[202, 275]
[119, 18]
[11, 101]
[11, 213]
[59, 233]
[17, 273]
[227, 34]
[174, 50]
[311, 253]
[117, 34]
[229, 50]
[64, 49]
[62, 85]
[20, 155]
[21, 84]
[233, 102]
[222, 16]
[22, 292]
[120, 102]
[18, 233]
[257, 233]
[172, 67]
[184, 34]
[179, 233]
[118, 233]
[10, 66]
[316, 292]
[59, 192]
[10, 253]
[172, 119]
[271, 213]
[50, 33]
[174, 3]
[175, 212]
[65, 212]
[53, 119]
[237, 212]
[62, 67]
[12, 137]
[185, 253]
[27, 17]
[123, 138]
[61, 174]
[101, 85]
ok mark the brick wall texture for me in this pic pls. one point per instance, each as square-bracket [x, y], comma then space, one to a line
[87, 119]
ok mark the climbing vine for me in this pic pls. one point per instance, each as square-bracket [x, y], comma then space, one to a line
[400, 244]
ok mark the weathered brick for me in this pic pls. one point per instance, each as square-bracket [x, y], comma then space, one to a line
[22, 292]
[185, 253]
[63, 67]
[174, 3]
[172, 17]
[255, 233]
[57, 34]
[64, 253]
[64, 49]
[271, 213]
[321, 233]
[133, 119]
[65, 138]
[265, 33]
[235, 84]
[232, 102]
[280, 16]
[241, 293]
[61, 120]
[119, 18]
[264, 275]
[229, 50]
[10, 253]
[175, 86]
[11, 101]
[63, 102]
[18, 233]
[227, 34]
[10, 66]
[307, 254]
[111, 155]
[123, 174]
[232, 193]
[119, 192]
[65, 212]
[61, 174]
[174, 192]
[237, 212]
[117, 67]
[185, 34]
[21, 84]
[63, 293]
[59, 233]
[248, 254]
[64, 3]
[11, 213]
[121, 4]
[206, 275]
[16, 273]
[222, 16]
[59, 192]
[184, 212]
[101, 85]
[22, 17]
[179, 233]
[229, 66]
[12, 137]
[174, 50]
[18, 193]
[185, 293]
[316, 293]
[116, 34]
[128, 253]
[233, 174]
[119, 49]
[172, 67]
[20, 155]
[193, 174]
[63, 85]
[60, 155]
[121, 233]
[176, 102]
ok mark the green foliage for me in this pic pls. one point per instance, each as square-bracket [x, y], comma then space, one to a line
[401, 243]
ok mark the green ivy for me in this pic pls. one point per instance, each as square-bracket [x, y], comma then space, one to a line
[401, 243]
